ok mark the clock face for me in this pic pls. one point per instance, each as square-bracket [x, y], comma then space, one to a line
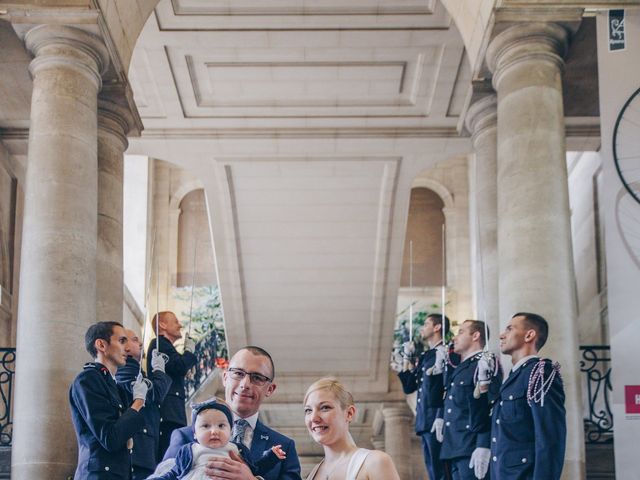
[626, 145]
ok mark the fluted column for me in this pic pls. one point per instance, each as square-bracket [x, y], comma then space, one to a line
[398, 431]
[534, 231]
[114, 122]
[481, 121]
[58, 270]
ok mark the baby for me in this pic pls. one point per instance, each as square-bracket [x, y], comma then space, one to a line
[212, 422]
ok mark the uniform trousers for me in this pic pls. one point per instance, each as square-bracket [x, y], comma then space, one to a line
[431, 453]
[459, 468]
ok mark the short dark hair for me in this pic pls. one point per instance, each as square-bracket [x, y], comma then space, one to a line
[100, 330]
[436, 319]
[478, 326]
[539, 324]
[262, 353]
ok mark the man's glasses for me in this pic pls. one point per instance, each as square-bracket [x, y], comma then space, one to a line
[256, 378]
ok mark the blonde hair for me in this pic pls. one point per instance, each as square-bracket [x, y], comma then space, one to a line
[332, 385]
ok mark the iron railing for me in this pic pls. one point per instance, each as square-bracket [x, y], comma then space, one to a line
[595, 364]
[7, 372]
[209, 351]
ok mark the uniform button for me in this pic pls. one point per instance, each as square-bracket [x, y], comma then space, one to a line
[524, 460]
[461, 382]
[106, 469]
[448, 410]
[420, 389]
[418, 400]
[498, 421]
[495, 459]
[494, 440]
[160, 418]
[119, 405]
[452, 384]
[510, 397]
[450, 397]
[501, 402]
[144, 430]
[467, 426]
[177, 393]
[448, 423]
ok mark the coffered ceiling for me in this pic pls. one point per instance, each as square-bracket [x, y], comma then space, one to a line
[298, 64]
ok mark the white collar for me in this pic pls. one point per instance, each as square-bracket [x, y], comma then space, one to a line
[521, 361]
[473, 354]
[252, 420]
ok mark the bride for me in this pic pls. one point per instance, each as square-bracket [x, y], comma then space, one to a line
[328, 411]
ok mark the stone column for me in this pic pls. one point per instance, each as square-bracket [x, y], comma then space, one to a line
[398, 430]
[58, 271]
[481, 121]
[534, 232]
[114, 122]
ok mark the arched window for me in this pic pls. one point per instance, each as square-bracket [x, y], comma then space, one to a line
[193, 227]
[424, 228]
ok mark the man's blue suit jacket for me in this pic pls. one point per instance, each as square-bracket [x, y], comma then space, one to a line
[263, 439]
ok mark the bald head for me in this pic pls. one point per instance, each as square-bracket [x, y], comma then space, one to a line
[135, 347]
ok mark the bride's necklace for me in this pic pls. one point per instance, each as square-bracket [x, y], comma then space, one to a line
[335, 465]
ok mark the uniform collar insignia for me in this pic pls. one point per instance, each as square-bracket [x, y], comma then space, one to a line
[98, 366]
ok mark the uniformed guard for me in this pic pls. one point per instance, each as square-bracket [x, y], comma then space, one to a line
[464, 423]
[528, 433]
[172, 409]
[103, 421]
[430, 389]
[145, 442]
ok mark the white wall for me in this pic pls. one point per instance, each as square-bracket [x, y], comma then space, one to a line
[619, 77]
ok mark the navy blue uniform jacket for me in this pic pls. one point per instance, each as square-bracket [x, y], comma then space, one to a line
[430, 390]
[103, 424]
[467, 420]
[184, 459]
[263, 439]
[145, 442]
[528, 442]
[172, 409]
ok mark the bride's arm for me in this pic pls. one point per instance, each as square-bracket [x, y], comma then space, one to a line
[379, 465]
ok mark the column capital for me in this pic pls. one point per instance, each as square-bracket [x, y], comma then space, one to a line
[115, 118]
[547, 42]
[59, 46]
[482, 115]
[397, 412]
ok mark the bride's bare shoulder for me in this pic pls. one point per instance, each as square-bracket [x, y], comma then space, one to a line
[378, 465]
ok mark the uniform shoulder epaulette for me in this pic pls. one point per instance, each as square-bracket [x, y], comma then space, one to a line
[538, 384]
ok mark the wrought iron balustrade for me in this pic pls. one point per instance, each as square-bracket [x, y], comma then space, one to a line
[595, 364]
[210, 352]
[7, 373]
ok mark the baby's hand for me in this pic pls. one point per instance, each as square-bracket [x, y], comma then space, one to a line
[279, 452]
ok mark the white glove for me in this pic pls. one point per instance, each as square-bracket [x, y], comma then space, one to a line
[441, 361]
[158, 360]
[408, 348]
[480, 461]
[486, 367]
[484, 373]
[140, 388]
[189, 344]
[438, 425]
